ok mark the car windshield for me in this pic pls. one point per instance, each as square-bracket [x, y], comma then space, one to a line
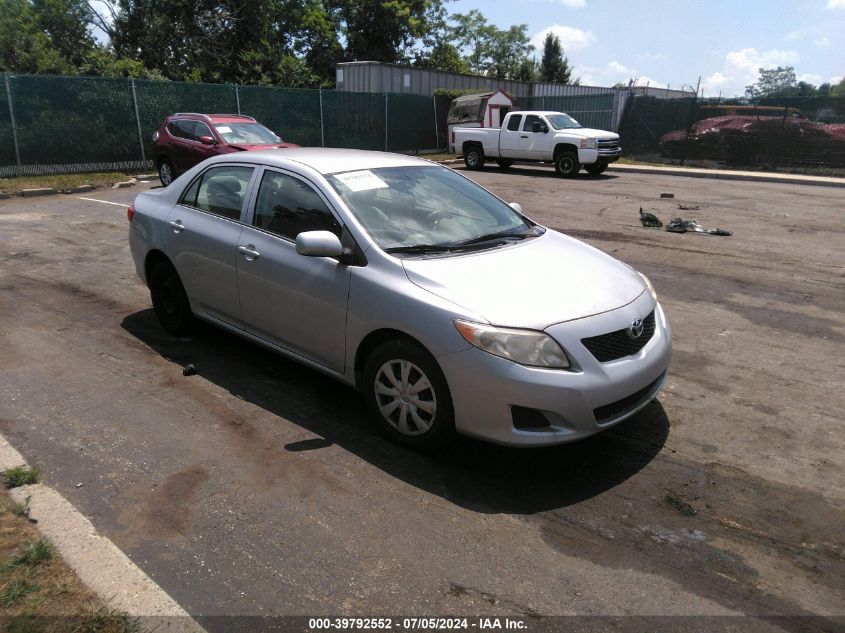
[562, 121]
[246, 133]
[427, 208]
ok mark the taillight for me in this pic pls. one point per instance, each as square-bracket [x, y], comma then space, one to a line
[130, 213]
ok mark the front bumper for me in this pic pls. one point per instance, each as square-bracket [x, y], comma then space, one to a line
[592, 156]
[484, 387]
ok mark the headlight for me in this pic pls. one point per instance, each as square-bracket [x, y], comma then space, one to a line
[649, 286]
[589, 143]
[526, 347]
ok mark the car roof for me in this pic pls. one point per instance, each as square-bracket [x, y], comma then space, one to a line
[213, 118]
[327, 160]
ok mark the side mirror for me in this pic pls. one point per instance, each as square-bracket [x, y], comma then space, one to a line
[319, 244]
[206, 140]
[516, 207]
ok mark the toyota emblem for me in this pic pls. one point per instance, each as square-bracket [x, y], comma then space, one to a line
[636, 329]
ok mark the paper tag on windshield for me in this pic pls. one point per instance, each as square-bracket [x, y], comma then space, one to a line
[361, 180]
[224, 129]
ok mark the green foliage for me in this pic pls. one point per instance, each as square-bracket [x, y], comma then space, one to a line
[444, 56]
[30, 555]
[487, 49]
[21, 509]
[772, 82]
[20, 476]
[16, 591]
[554, 66]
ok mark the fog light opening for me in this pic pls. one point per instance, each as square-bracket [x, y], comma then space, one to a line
[527, 419]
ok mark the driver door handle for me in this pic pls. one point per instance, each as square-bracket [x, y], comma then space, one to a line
[177, 226]
[249, 252]
[523, 136]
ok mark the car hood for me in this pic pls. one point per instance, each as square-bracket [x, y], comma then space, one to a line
[586, 132]
[532, 284]
[244, 147]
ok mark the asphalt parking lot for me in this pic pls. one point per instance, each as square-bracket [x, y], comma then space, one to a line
[257, 486]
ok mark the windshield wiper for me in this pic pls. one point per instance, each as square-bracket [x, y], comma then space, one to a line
[532, 232]
[419, 248]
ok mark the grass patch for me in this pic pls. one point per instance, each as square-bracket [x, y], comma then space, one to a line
[39, 593]
[20, 476]
[16, 590]
[61, 181]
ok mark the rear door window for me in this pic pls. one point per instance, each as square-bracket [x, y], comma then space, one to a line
[220, 190]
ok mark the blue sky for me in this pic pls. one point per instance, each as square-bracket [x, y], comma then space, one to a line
[674, 41]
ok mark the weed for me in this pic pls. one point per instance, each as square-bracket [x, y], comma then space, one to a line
[31, 555]
[16, 591]
[21, 509]
[20, 476]
[99, 619]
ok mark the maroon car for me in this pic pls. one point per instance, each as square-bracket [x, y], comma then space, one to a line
[756, 139]
[188, 138]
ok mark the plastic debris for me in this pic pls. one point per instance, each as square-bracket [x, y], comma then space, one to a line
[649, 219]
[688, 207]
[679, 225]
[189, 370]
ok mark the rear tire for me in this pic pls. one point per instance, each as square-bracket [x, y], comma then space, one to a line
[504, 163]
[166, 172]
[567, 165]
[596, 168]
[407, 395]
[474, 157]
[170, 302]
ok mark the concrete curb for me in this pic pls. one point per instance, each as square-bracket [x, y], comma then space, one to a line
[98, 562]
[125, 183]
[724, 174]
[4, 195]
[40, 191]
[81, 189]
[146, 177]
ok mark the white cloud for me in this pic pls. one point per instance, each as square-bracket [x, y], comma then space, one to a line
[836, 4]
[618, 68]
[571, 38]
[822, 42]
[642, 80]
[613, 72]
[835, 80]
[811, 79]
[573, 4]
[741, 68]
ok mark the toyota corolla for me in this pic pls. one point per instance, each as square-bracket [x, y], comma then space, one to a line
[451, 310]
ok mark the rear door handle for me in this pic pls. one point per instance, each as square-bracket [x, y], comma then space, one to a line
[523, 136]
[177, 226]
[249, 252]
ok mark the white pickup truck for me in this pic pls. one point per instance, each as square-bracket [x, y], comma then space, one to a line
[552, 137]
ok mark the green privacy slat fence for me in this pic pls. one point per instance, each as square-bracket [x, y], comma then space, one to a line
[807, 131]
[67, 124]
[292, 114]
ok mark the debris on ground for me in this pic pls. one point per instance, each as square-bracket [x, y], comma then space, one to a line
[666, 194]
[649, 219]
[679, 225]
[688, 207]
[189, 370]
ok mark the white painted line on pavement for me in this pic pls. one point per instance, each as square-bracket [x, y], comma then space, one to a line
[117, 204]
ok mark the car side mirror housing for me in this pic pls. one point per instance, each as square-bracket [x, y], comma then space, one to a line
[516, 207]
[319, 244]
[206, 140]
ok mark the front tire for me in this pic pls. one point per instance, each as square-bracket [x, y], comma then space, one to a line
[474, 157]
[166, 172]
[407, 395]
[596, 168]
[170, 301]
[567, 165]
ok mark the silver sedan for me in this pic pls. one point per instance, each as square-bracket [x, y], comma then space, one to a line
[451, 310]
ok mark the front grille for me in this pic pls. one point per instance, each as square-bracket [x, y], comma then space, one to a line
[608, 347]
[609, 412]
[608, 143]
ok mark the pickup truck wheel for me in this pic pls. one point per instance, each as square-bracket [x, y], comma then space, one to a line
[567, 165]
[170, 302]
[474, 157]
[596, 168]
[504, 163]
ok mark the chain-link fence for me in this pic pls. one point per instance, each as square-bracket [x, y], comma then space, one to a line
[591, 110]
[781, 132]
[73, 124]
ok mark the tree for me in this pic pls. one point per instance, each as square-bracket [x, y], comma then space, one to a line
[554, 66]
[508, 49]
[488, 50]
[773, 82]
[382, 30]
[527, 70]
[446, 57]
